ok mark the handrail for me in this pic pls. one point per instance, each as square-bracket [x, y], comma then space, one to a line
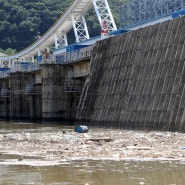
[64, 58]
[74, 56]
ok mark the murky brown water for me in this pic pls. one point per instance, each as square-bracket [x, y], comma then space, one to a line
[88, 172]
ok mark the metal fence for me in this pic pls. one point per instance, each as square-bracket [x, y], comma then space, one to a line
[139, 11]
[64, 58]
[74, 56]
[25, 67]
[4, 73]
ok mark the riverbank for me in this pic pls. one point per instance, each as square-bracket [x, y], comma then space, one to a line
[66, 145]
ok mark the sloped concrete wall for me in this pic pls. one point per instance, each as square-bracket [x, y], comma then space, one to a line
[137, 80]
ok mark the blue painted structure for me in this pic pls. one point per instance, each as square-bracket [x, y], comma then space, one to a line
[4, 69]
[24, 65]
[118, 32]
[75, 47]
[72, 53]
[179, 13]
[39, 59]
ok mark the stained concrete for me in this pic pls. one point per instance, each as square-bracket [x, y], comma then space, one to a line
[137, 80]
[41, 95]
[53, 95]
[25, 103]
[57, 105]
[4, 99]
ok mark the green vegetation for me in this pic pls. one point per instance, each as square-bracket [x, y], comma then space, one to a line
[8, 51]
[23, 21]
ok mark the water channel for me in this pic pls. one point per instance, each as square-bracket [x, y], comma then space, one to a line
[87, 172]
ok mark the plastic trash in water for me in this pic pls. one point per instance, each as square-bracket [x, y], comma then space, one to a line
[81, 129]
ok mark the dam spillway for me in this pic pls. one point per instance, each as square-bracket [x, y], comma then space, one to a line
[137, 80]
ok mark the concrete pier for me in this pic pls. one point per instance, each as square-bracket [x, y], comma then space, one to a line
[53, 95]
[5, 99]
[25, 97]
[137, 80]
[49, 94]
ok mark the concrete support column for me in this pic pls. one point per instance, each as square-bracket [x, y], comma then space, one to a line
[53, 96]
[25, 104]
[4, 100]
[19, 108]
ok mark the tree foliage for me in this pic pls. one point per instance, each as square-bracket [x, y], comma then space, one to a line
[23, 21]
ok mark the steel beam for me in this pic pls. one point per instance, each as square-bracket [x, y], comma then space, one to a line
[104, 13]
[60, 40]
[79, 27]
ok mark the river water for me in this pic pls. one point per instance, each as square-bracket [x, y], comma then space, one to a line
[87, 172]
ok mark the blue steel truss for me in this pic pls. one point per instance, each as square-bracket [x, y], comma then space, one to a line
[136, 12]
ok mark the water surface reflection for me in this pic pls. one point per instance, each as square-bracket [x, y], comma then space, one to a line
[97, 173]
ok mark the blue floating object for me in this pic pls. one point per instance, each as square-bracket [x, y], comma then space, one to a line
[81, 129]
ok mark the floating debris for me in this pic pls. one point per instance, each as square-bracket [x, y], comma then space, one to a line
[81, 129]
[96, 144]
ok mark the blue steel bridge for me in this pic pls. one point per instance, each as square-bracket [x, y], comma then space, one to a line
[134, 14]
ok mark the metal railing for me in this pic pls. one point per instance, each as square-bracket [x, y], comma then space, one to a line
[74, 56]
[25, 67]
[64, 58]
[5, 73]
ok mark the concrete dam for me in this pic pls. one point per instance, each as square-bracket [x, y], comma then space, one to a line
[40, 95]
[137, 80]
